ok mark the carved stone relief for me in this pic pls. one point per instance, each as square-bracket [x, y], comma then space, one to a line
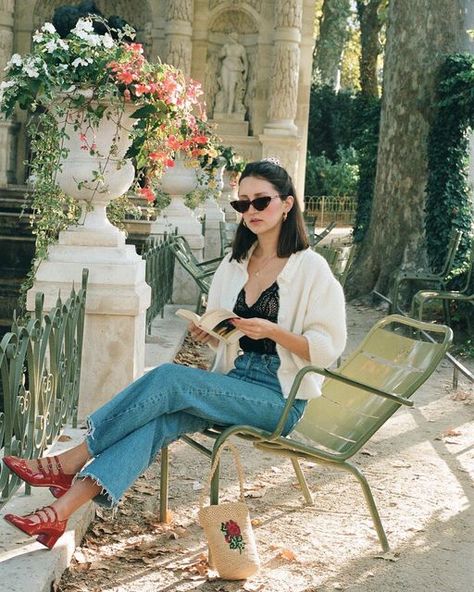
[7, 5]
[6, 48]
[285, 82]
[288, 13]
[234, 20]
[180, 10]
[256, 4]
[179, 54]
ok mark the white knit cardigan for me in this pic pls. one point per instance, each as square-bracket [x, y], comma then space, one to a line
[311, 304]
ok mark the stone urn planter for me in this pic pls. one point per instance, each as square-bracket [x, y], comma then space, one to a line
[229, 193]
[177, 181]
[94, 170]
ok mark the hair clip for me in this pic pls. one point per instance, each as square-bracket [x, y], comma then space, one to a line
[272, 159]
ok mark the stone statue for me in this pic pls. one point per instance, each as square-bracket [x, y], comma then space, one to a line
[233, 75]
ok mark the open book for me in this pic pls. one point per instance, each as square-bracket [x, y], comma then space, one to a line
[215, 322]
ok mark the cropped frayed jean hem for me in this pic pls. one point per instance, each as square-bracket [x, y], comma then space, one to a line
[170, 401]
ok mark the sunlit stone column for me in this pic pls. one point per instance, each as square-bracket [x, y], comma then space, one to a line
[280, 137]
[6, 50]
[179, 16]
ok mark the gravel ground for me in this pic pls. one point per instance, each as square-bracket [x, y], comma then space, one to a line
[420, 467]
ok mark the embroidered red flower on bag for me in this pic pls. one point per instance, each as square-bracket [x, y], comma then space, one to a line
[233, 535]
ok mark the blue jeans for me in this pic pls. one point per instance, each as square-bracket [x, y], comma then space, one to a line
[172, 400]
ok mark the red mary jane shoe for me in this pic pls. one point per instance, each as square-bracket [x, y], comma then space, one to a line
[48, 527]
[42, 476]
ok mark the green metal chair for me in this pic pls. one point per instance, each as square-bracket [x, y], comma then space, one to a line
[436, 280]
[313, 237]
[209, 265]
[380, 376]
[201, 272]
[422, 297]
[329, 253]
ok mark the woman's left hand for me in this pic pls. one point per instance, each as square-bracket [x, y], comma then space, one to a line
[256, 328]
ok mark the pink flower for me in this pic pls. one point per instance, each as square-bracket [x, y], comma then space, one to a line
[174, 143]
[126, 77]
[147, 193]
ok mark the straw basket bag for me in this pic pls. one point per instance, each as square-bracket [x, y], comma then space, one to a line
[232, 548]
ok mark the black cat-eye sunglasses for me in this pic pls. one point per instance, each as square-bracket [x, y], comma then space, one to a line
[259, 203]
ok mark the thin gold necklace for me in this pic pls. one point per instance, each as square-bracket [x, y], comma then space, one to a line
[256, 273]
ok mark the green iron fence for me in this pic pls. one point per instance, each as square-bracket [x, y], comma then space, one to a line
[159, 275]
[40, 367]
[331, 209]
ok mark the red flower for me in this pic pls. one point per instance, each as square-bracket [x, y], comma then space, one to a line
[147, 193]
[232, 528]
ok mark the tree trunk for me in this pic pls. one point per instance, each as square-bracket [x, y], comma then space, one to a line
[370, 25]
[418, 37]
[330, 43]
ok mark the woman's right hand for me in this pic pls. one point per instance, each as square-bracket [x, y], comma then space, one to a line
[201, 336]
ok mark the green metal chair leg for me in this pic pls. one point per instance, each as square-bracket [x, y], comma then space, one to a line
[164, 485]
[370, 503]
[302, 481]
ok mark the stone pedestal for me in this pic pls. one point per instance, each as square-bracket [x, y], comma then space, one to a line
[177, 181]
[117, 298]
[212, 239]
[231, 124]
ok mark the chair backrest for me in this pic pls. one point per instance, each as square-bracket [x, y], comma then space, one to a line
[188, 261]
[329, 253]
[319, 237]
[346, 263]
[181, 243]
[396, 361]
[453, 245]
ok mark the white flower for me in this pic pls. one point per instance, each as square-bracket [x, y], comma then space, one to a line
[81, 34]
[38, 37]
[51, 46]
[48, 28]
[63, 44]
[30, 69]
[94, 40]
[81, 62]
[15, 60]
[83, 25]
[107, 41]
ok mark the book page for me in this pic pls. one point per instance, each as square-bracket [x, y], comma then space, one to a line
[188, 315]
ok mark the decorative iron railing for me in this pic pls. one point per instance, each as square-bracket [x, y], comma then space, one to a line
[40, 368]
[159, 275]
[331, 209]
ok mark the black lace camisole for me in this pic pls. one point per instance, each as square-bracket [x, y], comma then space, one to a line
[265, 307]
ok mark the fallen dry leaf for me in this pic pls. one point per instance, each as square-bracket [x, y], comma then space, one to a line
[64, 438]
[287, 554]
[256, 522]
[450, 432]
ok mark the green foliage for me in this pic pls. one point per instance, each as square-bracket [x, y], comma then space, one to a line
[342, 123]
[324, 177]
[448, 203]
[366, 139]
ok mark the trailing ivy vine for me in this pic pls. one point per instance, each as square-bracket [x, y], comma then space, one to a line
[449, 202]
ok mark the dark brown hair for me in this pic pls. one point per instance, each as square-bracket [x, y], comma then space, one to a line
[292, 233]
